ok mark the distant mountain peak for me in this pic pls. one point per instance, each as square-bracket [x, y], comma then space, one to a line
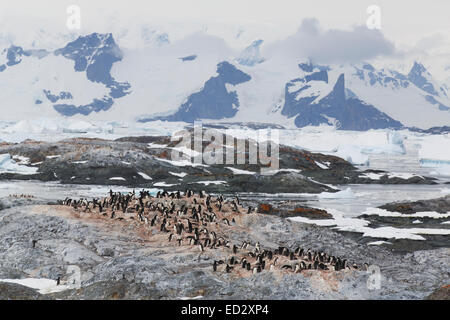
[420, 76]
[251, 55]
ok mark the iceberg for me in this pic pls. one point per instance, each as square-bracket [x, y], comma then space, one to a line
[8, 165]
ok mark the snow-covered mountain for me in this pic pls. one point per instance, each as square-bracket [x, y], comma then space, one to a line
[200, 77]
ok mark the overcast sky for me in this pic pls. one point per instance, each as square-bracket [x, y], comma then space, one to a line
[420, 27]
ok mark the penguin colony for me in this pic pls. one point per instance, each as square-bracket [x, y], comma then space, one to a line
[199, 220]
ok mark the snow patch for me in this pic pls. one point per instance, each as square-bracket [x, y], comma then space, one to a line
[145, 176]
[8, 165]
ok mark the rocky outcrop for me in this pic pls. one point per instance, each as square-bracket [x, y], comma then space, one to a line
[147, 162]
[442, 293]
[441, 205]
[12, 291]
[116, 262]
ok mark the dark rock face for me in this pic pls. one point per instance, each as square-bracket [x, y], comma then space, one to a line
[15, 54]
[189, 58]
[298, 211]
[94, 54]
[213, 101]
[349, 113]
[417, 76]
[12, 291]
[61, 96]
[441, 205]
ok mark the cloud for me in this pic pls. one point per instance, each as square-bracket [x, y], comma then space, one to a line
[333, 45]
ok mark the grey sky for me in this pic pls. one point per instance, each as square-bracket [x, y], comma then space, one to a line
[419, 27]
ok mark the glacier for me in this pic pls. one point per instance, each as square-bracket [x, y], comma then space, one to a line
[8, 165]
[170, 79]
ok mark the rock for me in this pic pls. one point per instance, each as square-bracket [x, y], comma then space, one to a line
[441, 205]
[143, 269]
[307, 212]
[13, 291]
[130, 162]
[442, 293]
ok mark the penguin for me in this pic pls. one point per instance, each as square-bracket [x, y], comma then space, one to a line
[58, 281]
[228, 268]
[286, 266]
[257, 247]
[215, 266]
[256, 269]
[170, 237]
[33, 243]
[297, 268]
[113, 215]
[234, 249]
[322, 266]
[200, 246]
[275, 261]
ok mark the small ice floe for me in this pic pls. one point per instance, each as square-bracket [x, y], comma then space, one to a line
[416, 221]
[207, 183]
[44, 286]
[425, 214]
[181, 174]
[145, 176]
[378, 243]
[164, 184]
[117, 179]
[239, 171]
